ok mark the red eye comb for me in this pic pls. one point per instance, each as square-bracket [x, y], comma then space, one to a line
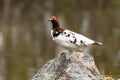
[53, 17]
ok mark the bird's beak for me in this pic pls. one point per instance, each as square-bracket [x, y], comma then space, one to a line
[49, 19]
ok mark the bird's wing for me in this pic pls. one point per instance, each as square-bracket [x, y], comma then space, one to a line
[79, 39]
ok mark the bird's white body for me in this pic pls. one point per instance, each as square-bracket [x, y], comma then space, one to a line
[69, 39]
[73, 41]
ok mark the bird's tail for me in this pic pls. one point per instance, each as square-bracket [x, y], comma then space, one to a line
[96, 43]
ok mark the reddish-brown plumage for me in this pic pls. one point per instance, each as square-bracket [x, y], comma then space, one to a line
[55, 24]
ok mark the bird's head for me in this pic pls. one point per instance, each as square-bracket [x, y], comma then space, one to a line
[52, 18]
[55, 22]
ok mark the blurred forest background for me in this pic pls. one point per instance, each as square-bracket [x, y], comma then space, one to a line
[25, 41]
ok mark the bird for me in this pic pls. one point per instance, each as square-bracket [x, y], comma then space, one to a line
[68, 39]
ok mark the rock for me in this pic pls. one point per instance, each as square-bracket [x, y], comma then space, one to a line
[75, 66]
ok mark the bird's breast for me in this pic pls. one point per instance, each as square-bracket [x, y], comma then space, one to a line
[64, 41]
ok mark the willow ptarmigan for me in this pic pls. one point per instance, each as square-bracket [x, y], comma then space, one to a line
[69, 39]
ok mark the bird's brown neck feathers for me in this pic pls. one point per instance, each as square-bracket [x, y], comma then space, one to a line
[56, 26]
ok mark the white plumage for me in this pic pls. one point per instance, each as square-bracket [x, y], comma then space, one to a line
[69, 39]
[73, 41]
